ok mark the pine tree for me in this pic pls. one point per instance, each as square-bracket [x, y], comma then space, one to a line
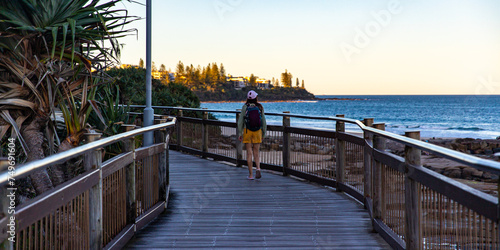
[141, 63]
[153, 67]
[297, 83]
[303, 84]
[286, 78]
[197, 76]
[214, 74]
[162, 68]
[222, 74]
[253, 81]
[205, 75]
[180, 69]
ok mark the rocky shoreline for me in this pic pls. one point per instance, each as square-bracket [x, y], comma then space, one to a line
[482, 148]
[340, 99]
[315, 152]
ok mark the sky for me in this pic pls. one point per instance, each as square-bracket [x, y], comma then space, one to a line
[338, 47]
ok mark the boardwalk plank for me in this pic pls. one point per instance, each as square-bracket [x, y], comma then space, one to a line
[214, 206]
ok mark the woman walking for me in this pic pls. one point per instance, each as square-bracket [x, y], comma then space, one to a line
[252, 124]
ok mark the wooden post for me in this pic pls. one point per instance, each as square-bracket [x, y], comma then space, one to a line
[167, 165]
[239, 145]
[160, 136]
[93, 160]
[179, 129]
[204, 135]
[378, 195]
[367, 159]
[286, 143]
[340, 154]
[129, 146]
[412, 198]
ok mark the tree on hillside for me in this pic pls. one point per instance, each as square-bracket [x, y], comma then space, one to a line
[132, 91]
[189, 74]
[286, 79]
[303, 84]
[153, 67]
[253, 80]
[141, 63]
[222, 74]
[162, 68]
[297, 83]
[214, 74]
[197, 81]
[205, 75]
[179, 69]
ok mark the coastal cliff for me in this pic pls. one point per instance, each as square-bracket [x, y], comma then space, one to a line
[275, 94]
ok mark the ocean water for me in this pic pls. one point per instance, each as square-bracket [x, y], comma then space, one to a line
[472, 116]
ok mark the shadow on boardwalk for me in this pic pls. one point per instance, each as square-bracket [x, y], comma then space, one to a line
[213, 205]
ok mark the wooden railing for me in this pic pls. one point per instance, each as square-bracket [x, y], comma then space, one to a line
[101, 208]
[411, 206]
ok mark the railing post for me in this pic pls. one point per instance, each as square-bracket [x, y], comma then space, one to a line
[239, 145]
[93, 160]
[286, 143]
[367, 159]
[179, 129]
[204, 135]
[378, 196]
[340, 154]
[160, 137]
[129, 146]
[412, 198]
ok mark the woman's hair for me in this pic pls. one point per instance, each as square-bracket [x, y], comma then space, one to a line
[254, 101]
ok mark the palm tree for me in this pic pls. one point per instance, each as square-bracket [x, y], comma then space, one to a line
[51, 55]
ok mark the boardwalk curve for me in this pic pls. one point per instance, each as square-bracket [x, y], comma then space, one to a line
[212, 205]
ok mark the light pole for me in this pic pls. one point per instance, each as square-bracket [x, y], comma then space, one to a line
[148, 115]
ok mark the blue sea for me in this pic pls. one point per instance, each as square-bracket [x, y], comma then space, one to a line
[443, 116]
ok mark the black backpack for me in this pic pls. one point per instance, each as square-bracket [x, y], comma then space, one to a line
[253, 117]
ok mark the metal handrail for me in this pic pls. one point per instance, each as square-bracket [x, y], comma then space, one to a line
[478, 163]
[28, 167]
[348, 120]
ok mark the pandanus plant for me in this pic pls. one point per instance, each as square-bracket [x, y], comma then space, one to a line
[52, 54]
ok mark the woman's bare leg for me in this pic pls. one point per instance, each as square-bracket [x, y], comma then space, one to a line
[256, 156]
[249, 159]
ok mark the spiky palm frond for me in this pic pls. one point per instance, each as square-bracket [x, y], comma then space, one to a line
[77, 26]
[47, 47]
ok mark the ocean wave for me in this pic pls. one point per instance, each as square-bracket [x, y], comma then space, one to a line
[413, 126]
[466, 129]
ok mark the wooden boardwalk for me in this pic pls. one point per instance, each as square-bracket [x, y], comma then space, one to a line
[213, 205]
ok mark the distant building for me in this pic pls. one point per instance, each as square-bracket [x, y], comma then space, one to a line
[160, 74]
[156, 74]
[238, 82]
[263, 83]
[125, 66]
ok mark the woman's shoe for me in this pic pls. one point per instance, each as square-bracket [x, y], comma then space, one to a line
[250, 178]
[257, 174]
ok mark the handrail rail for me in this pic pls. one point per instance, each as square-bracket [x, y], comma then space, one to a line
[481, 164]
[24, 169]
